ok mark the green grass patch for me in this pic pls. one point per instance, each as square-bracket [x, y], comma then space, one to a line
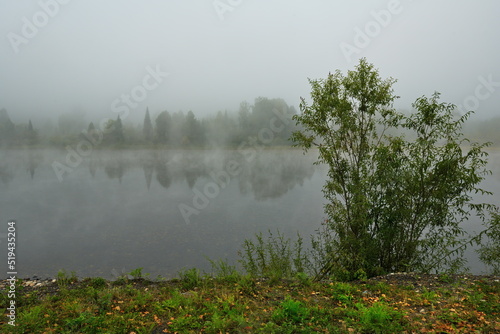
[231, 303]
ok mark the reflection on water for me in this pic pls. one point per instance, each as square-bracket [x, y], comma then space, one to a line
[120, 209]
[267, 175]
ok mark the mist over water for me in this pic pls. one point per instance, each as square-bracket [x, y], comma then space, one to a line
[120, 210]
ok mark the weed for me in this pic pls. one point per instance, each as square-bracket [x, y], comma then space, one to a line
[445, 278]
[224, 271]
[255, 306]
[63, 278]
[190, 278]
[291, 311]
[380, 318]
[122, 280]
[137, 273]
[450, 316]
[84, 320]
[98, 282]
[428, 297]
[31, 319]
[304, 279]
[246, 285]
[380, 287]
[274, 258]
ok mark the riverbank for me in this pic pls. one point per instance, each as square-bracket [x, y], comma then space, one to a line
[411, 303]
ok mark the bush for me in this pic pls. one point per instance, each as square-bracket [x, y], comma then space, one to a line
[392, 204]
[489, 253]
[190, 278]
[274, 258]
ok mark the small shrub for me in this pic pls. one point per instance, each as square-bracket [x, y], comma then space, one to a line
[379, 318]
[303, 278]
[274, 258]
[63, 278]
[445, 278]
[246, 284]
[136, 273]
[190, 278]
[98, 282]
[291, 311]
[489, 253]
[224, 271]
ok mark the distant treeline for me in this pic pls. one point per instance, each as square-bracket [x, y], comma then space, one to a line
[267, 121]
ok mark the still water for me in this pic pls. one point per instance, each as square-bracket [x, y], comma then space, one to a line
[161, 210]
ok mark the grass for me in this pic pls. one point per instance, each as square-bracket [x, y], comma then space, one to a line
[229, 302]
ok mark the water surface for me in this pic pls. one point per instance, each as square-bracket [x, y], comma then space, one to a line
[158, 209]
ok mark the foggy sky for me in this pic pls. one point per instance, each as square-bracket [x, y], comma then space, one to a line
[86, 54]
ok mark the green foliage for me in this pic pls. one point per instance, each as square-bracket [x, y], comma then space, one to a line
[163, 127]
[137, 273]
[489, 253]
[147, 127]
[392, 204]
[445, 278]
[246, 285]
[190, 278]
[224, 271]
[471, 305]
[30, 319]
[274, 258]
[113, 132]
[291, 311]
[343, 292]
[63, 278]
[303, 278]
[380, 318]
[98, 282]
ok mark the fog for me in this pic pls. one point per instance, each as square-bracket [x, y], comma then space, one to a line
[156, 133]
[163, 210]
[205, 56]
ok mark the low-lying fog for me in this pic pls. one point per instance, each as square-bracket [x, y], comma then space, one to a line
[162, 210]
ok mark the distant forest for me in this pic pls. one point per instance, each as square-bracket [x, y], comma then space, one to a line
[267, 122]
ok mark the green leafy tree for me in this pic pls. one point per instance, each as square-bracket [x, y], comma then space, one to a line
[193, 132]
[244, 116]
[91, 128]
[113, 132]
[31, 136]
[392, 204]
[147, 128]
[489, 253]
[163, 126]
[7, 128]
[118, 131]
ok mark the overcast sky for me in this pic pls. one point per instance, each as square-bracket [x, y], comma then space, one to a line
[60, 56]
